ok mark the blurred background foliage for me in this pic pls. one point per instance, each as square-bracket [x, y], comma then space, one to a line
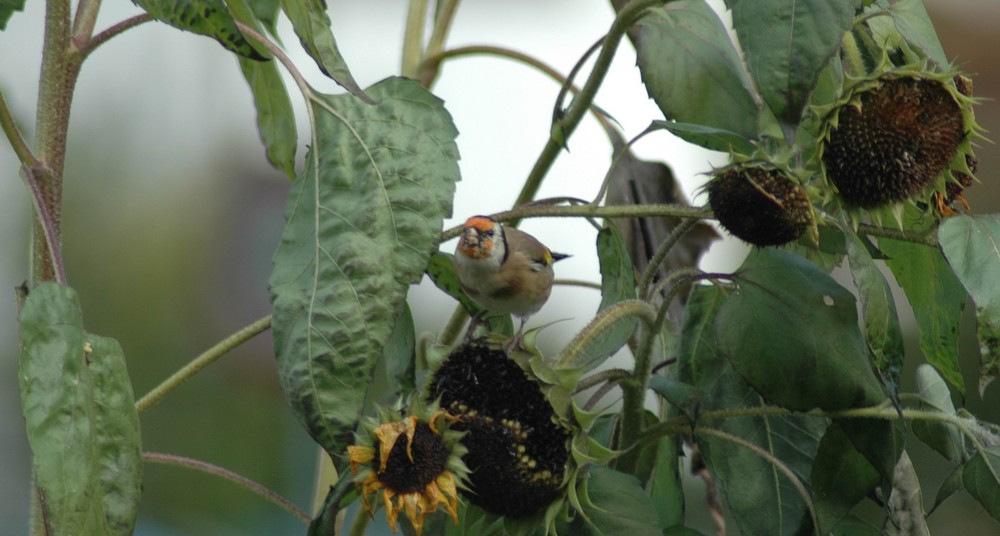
[172, 215]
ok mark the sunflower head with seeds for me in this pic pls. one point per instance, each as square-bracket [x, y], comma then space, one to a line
[413, 463]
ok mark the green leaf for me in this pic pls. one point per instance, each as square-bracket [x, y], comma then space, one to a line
[787, 43]
[934, 395]
[275, 118]
[613, 503]
[266, 11]
[312, 26]
[982, 480]
[937, 299]
[441, 270]
[952, 484]
[699, 362]
[204, 17]
[363, 218]
[792, 333]
[693, 71]
[878, 441]
[715, 139]
[665, 485]
[972, 246]
[910, 19]
[828, 253]
[400, 354]
[761, 499]
[882, 331]
[841, 477]
[81, 419]
[617, 284]
[678, 530]
[679, 394]
[7, 9]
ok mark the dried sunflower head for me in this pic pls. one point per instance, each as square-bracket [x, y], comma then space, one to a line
[414, 461]
[517, 447]
[760, 204]
[899, 134]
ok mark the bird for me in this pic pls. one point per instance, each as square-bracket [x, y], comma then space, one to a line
[504, 270]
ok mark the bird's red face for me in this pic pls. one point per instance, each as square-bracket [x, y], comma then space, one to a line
[477, 238]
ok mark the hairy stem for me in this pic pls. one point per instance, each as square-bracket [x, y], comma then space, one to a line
[661, 254]
[17, 142]
[208, 357]
[236, 478]
[589, 334]
[85, 48]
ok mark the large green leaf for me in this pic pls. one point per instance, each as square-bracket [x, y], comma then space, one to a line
[760, 498]
[363, 218]
[204, 17]
[787, 43]
[7, 8]
[972, 247]
[312, 26]
[617, 284]
[982, 480]
[614, 503]
[665, 484]
[81, 419]
[841, 477]
[792, 333]
[692, 70]
[937, 299]
[882, 331]
[275, 118]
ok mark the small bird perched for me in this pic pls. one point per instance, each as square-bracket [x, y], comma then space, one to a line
[504, 270]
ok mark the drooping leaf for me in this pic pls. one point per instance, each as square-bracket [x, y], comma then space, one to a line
[441, 270]
[679, 394]
[934, 395]
[204, 17]
[715, 139]
[852, 526]
[665, 486]
[363, 218]
[617, 284]
[761, 499]
[787, 43]
[759, 496]
[7, 9]
[952, 483]
[937, 299]
[312, 26]
[981, 477]
[880, 441]
[275, 118]
[614, 503]
[81, 419]
[972, 246]
[882, 331]
[841, 477]
[792, 333]
[692, 70]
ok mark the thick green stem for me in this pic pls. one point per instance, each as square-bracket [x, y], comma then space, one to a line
[17, 142]
[568, 122]
[202, 361]
[588, 335]
[83, 23]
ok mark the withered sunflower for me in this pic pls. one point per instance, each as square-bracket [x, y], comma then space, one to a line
[414, 462]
